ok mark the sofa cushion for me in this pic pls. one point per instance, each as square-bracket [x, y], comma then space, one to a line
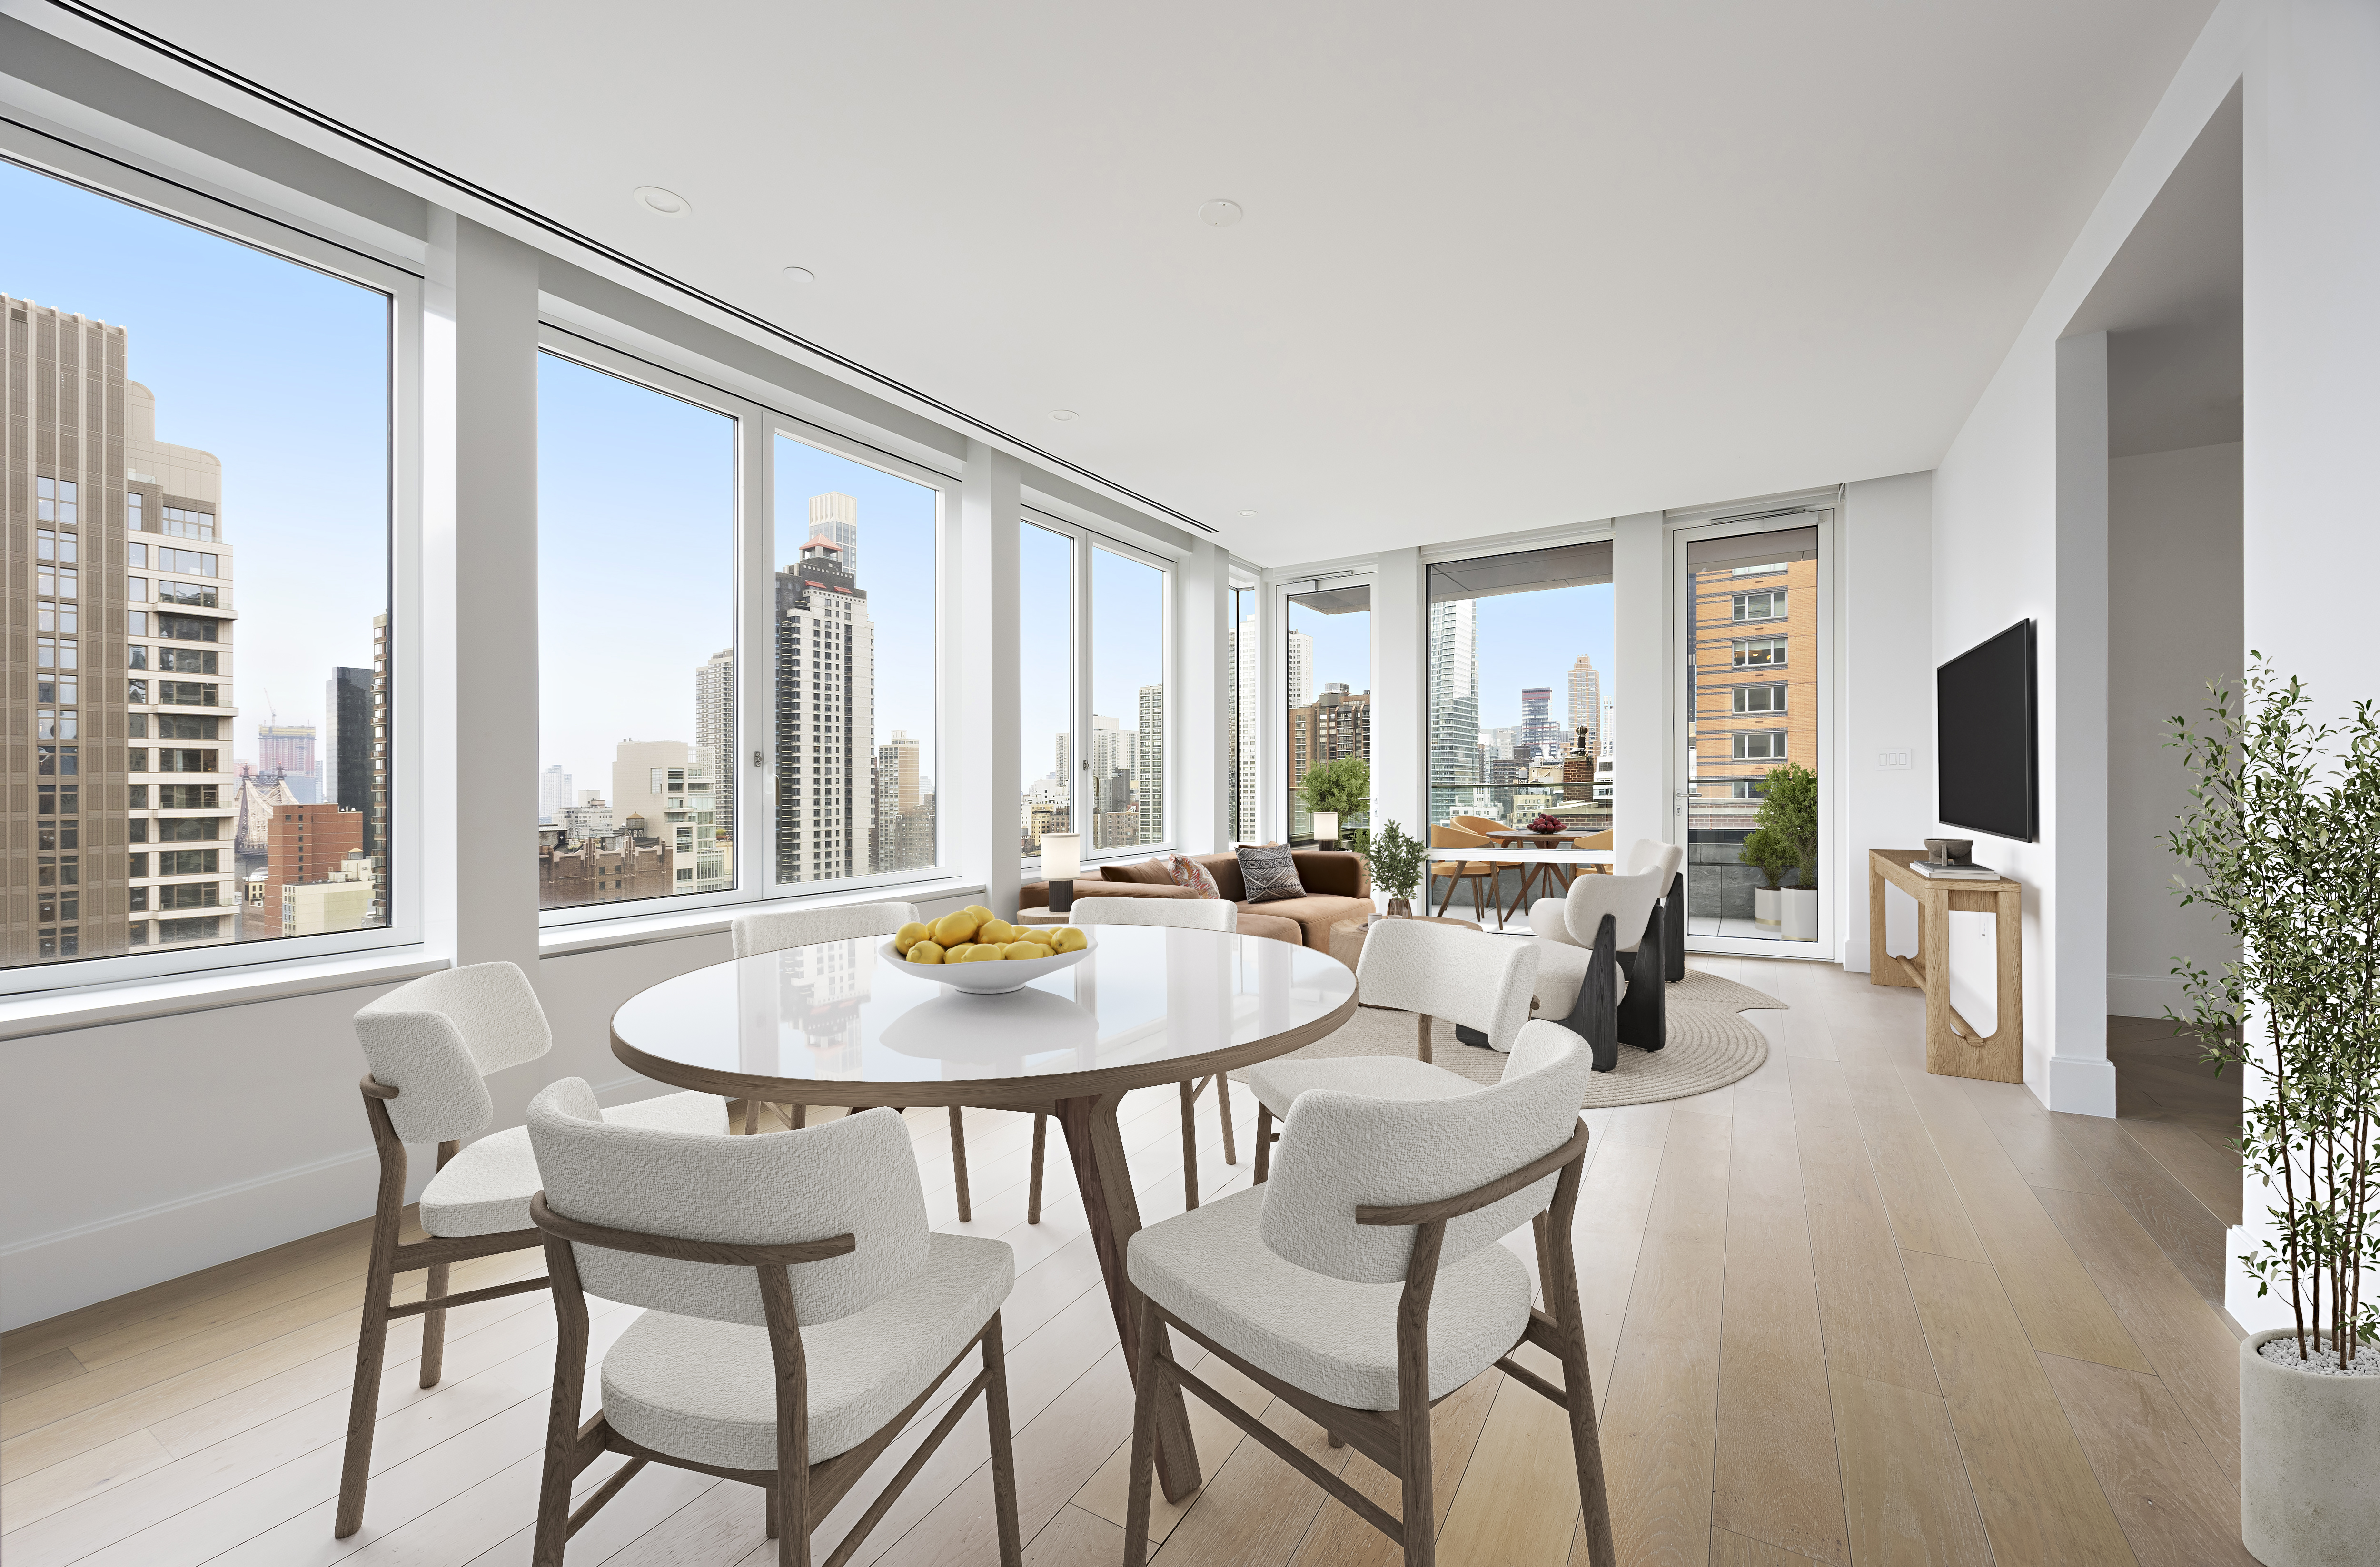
[1225, 869]
[1147, 871]
[1315, 914]
[1184, 872]
[1271, 927]
[1269, 875]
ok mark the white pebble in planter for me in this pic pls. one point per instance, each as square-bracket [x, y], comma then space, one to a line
[2309, 1447]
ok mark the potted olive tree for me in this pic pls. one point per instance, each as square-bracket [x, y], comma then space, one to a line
[1397, 861]
[1342, 785]
[1767, 851]
[2282, 837]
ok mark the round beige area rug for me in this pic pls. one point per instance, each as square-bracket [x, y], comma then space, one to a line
[1710, 1045]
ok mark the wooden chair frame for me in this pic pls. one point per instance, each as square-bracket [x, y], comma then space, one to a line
[800, 1494]
[1398, 1439]
[389, 1258]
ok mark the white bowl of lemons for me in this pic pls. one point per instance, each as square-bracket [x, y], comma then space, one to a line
[975, 950]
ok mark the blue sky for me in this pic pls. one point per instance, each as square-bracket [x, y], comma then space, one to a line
[281, 373]
[1525, 639]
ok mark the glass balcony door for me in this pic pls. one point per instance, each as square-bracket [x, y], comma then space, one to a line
[1751, 721]
[1326, 695]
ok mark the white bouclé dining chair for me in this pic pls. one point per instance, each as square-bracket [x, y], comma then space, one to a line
[798, 1314]
[1365, 1281]
[431, 1045]
[776, 930]
[1476, 981]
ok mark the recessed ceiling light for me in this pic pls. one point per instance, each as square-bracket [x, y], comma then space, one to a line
[660, 201]
[1219, 213]
[1248, 513]
[1061, 414]
[800, 274]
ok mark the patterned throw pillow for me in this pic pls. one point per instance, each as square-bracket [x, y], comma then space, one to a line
[1182, 871]
[1270, 874]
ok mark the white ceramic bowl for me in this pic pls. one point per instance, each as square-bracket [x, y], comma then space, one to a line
[988, 977]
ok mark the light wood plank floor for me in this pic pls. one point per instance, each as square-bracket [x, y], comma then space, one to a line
[1840, 1311]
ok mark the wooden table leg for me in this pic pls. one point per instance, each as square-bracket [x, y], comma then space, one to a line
[1096, 1145]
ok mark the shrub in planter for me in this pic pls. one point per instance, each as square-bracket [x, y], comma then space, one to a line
[2282, 837]
[1767, 851]
[1397, 863]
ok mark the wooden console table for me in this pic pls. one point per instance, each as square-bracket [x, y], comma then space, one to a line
[1953, 1047]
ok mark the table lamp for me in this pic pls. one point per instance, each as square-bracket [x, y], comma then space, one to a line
[1062, 861]
[1326, 830]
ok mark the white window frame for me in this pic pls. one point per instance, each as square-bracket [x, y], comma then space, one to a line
[1085, 540]
[1820, 511]
[1276, 812]
[155, 186]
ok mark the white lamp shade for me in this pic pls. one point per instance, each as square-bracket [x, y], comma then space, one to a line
[1061, 856]
[1326, 824]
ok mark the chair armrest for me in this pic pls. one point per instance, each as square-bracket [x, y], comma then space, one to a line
[375, 1089]
[1477, 1198]
[678, 1249]
[1550, 918]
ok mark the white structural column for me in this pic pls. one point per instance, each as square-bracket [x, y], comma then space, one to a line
[979, 669]
[1200, 747]
[2074, 654]
[1399, 698]
[1641, 772]
[481, 536]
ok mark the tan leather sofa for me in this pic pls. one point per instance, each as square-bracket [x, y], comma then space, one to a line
[1337, 886]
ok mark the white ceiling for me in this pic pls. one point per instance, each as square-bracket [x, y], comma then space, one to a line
[1502, 267]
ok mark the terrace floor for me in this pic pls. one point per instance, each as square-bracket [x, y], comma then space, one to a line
[1842, 1311]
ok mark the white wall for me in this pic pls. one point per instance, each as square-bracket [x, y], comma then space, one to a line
[1884, 612]
[2311, 328]
[2174, 623]
[1998, 557]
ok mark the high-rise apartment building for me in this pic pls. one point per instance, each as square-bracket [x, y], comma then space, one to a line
[1248, 711]
[666, 785]
[118, 684]
[346, 738]
[376, 817]
[1301, 669]
[554, 795]
[1149, 765]
[1454, 758]
[834, 517]
[286, 751]
[902, 836]
[1752, 652]
[1337, 723]
[826, 718]
[714, 729]
[1586, 702]
[1540, 731]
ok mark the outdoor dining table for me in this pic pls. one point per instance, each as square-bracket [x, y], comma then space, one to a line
[850, 1024]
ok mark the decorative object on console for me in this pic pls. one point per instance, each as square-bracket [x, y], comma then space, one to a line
[1062, 862]
[1186, 873]
[1950, 850]
[1397, 862]
[1270, 874]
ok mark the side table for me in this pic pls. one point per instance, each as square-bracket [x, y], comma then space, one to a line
[1953, 1046]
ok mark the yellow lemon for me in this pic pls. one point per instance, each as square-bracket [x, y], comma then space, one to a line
[952, 929]
[1046, 950]
[957, 954]
[924, 952]
[910, 935]
[1000, 930]
[1022, 951]
[982, 952]
[979, 911]
[1066, 938]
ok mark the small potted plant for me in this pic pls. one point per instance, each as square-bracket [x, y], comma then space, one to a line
[1789, 807]
[1397, 862]
[1767, 851]
[1342, 785]
[2283, 837]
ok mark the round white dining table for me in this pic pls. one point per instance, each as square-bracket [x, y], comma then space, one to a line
[846, 1023]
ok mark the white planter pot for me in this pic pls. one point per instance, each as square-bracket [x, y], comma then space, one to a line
[1763, 906]
[2309, 1447]
[1801, 922]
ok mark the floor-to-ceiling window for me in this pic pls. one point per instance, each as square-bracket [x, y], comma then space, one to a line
[854, 645]
[1520, 687]
[637, 523]
[1751, 661]
[1127, 742]
[1244, 706]
[197, 491]
[1328, 665]
[1045, 688]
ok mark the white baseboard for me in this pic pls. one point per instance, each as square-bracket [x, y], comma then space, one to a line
[44, 1275]
[2081, 1085]
[2145, 996]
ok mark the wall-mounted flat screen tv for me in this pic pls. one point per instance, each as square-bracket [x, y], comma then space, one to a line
[1985, 742]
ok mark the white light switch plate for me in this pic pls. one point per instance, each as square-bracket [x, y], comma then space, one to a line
[1892, 761]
